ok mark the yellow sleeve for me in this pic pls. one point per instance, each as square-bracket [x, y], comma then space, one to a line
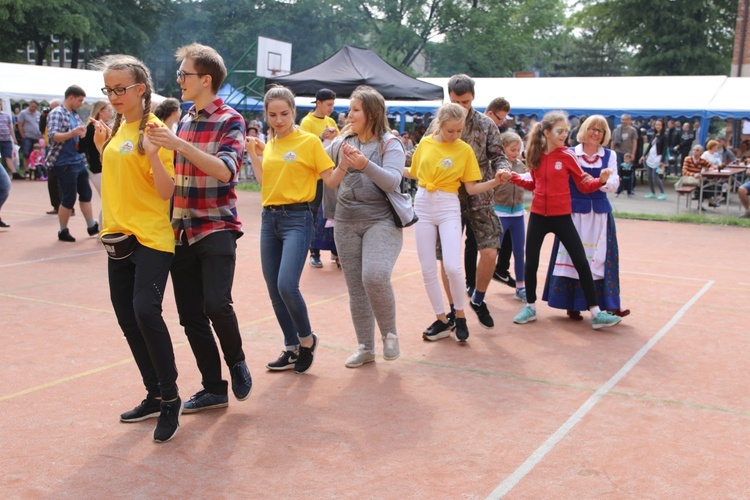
[471, 166]
[415, 160]
[322, 161]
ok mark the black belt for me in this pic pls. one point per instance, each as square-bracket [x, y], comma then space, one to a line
[292, 207]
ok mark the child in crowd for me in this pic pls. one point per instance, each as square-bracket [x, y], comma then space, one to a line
[37, 170]
[625, 171]
[441, 162]
[509, 208]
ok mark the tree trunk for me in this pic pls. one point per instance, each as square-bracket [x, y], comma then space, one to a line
[74, 56]
[62, 52]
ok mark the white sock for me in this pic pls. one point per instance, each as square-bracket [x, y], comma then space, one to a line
[594, 311]
[532, 306]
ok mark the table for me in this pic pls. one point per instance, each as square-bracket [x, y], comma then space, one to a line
[719, 178]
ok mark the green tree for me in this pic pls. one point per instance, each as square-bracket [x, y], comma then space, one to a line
[99, 27]
[667, 37]
[494, 38]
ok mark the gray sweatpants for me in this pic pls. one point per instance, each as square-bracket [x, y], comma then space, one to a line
[368, 251]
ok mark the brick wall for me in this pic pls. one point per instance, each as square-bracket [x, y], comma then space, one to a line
[742, 68]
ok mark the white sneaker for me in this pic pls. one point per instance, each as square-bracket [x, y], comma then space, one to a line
[360, 357]
[390, 347]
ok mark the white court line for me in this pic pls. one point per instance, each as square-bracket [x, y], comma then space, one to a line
[662, 276]
[536, 457]
[49, 258]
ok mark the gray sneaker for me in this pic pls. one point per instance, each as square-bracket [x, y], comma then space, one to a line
[360, 357]
[390, 347]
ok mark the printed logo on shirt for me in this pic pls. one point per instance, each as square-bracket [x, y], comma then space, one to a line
[126, 148]
[446, 163]
[290, 157]
[558, 165]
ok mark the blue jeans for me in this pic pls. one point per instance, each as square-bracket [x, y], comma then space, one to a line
[4, 185]
[285, 237]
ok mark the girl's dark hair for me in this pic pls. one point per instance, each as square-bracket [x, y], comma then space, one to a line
[537, 140]
[140, 74]
[165, 108]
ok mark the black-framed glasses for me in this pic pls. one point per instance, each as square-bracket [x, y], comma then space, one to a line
[596, 131]
[182, 74]
[118, 90]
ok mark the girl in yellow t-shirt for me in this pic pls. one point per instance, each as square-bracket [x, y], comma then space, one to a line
[137, 184]
[293, 161]
[441, 163]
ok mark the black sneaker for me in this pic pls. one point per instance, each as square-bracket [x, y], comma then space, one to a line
[315, 261]
[204, 400]
[64, 235]
[93, 230]
[285, 362]
[169, 421]
[242, 382]
[462, 331]
[451, 320]
[305, 357]
[438, 330]
[149, 408]
[485, 319]
[504, 277]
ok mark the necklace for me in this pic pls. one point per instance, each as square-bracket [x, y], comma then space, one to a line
[590, 162]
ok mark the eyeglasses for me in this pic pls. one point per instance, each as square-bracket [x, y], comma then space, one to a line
[596, 131]
[182, 74]
[498, 118]
[560, 130]
[118, 90]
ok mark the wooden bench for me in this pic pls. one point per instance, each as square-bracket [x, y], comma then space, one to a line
[685, 191]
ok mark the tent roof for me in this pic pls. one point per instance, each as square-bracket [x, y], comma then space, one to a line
[23, 82]
[638, 95]
[731, 101]
[350, 67]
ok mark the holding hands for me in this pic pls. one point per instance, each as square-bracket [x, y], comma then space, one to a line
[329, 134]
[161, 137]
[352, 157]
[254, 146]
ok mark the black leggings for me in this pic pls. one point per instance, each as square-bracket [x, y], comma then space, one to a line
[562, 227]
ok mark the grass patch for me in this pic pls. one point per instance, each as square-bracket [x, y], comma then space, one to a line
[249, 186]
[688, 218]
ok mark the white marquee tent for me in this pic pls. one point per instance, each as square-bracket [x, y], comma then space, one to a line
[23, 82]
[702, 97]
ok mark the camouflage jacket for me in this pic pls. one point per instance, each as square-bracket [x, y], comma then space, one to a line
[483, 136]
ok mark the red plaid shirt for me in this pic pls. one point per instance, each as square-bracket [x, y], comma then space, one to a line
[204, 204]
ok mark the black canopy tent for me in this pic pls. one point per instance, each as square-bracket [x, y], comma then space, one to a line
[351, 67]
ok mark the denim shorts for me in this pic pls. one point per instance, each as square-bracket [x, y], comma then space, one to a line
[6, 149]
[73, 179]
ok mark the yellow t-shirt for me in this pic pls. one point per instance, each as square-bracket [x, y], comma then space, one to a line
[444, 165]
[130, 203]
[315, 125]
[292, 167]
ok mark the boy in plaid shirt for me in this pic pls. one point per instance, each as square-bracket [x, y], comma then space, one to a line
[208, 150]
